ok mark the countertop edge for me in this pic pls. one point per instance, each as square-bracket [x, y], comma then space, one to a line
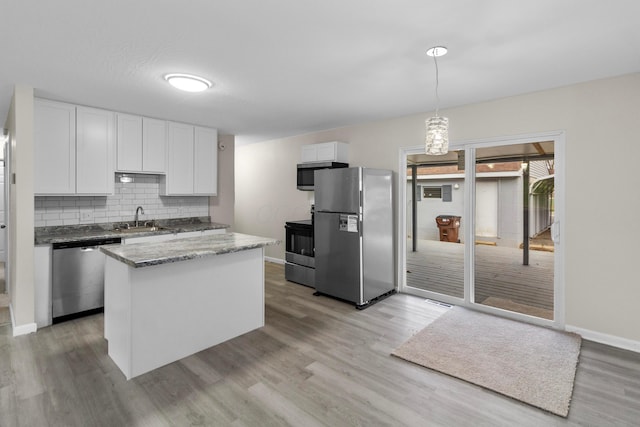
[220, 245]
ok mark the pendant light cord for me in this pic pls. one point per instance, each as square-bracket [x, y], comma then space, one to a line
[435, 60]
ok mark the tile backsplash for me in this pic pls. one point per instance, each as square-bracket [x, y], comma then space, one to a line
[121, 207]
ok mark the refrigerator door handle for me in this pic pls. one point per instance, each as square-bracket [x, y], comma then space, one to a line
[360, 216]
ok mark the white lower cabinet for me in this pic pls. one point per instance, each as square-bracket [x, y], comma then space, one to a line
[43, 279]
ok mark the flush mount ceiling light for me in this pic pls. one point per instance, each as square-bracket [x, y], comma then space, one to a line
[188, 82]
[437, 137]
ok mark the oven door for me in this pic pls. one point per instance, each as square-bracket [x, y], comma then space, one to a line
[299, 244]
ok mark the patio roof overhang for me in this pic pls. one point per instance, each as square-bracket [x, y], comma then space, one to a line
[505, 153]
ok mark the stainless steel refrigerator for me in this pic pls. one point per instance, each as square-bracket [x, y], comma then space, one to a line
[353, 233]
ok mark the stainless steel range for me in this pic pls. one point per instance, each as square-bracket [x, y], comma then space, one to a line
[299, 255]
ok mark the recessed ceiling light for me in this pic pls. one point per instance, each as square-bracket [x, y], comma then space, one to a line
[437, 51]
[188, 82]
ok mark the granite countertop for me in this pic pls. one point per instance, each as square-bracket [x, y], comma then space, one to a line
[74, 233]
[155, 253]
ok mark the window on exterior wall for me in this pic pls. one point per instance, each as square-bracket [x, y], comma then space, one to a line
[447, 195]
[431, 192]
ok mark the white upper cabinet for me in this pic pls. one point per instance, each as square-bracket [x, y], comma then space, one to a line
[179, 178]
[95, 151]
[129, 143]
[78, 149]
[54, 148]
[154, 145]
[205, 179]
[333, 151]
[74, 149]
[192, 161]
[142, 144]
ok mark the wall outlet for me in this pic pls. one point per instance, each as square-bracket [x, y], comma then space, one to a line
[86, 215]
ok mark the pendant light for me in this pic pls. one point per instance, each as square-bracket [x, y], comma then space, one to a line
[437, 137]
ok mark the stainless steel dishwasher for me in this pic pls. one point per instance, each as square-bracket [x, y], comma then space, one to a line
[78, 277]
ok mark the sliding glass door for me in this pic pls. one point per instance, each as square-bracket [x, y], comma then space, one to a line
[513, 254]
[435, 226]
[478, 225]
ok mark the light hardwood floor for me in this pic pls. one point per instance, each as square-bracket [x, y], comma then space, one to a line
[317, 362]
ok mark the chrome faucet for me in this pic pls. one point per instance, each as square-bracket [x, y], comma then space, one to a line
[138, 210]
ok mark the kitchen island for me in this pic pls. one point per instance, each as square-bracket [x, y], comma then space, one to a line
[168, 300]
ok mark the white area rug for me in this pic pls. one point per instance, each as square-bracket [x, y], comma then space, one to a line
[529, 363]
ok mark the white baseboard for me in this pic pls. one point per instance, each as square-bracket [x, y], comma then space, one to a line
[274, 260]
[28, 328]
[607, 339]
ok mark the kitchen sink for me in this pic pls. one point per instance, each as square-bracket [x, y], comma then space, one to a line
[125, 228]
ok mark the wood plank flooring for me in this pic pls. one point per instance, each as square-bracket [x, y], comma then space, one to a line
[438, 267]
[317, 362]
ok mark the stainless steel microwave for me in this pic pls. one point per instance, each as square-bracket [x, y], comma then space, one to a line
[306, 171]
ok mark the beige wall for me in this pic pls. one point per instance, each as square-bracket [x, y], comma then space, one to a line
[21, 255]
[221, 207]
[601, 120]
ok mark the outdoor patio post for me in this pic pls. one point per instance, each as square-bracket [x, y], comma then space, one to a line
[414, 207]
[525, 212]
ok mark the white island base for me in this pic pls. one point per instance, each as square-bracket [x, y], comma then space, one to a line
[158, 314]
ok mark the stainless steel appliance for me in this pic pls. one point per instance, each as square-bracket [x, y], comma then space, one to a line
[306, 172]
[300, 261]
[353, 233]
[78, 277]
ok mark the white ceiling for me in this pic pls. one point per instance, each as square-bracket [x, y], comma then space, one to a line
[286, 67]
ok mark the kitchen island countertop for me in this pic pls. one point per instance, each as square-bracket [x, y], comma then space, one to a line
[169, 310]
[155, 253]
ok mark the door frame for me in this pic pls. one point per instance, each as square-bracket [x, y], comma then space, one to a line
[558, 138]
[6, 157]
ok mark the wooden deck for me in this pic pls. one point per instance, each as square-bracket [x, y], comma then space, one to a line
[501, 279]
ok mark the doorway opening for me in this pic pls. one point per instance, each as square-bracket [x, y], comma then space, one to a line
[5, 314]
